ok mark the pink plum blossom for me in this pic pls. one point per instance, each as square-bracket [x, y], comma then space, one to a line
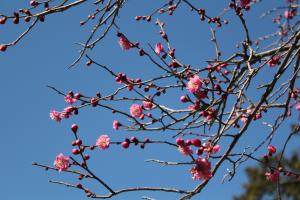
[124, 43]
[148, 105]
[70, 99]
[202, 169]
[136, 110]
[55, 115]
[245, 3]
[65, 115]
[221, 66]
[244, 118]
[193, 107]
[209, 148]
[249, 111]
[69, 109]
[116, 125]
[61, 162]
[289, 14]
[185, 150]
[194, 84]
[159, 48]
[103, 142]
[272, 176]
[216, 149]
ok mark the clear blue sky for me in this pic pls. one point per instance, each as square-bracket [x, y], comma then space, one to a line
[28, 134]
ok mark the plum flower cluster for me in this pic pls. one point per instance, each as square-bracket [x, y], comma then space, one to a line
[122, 78]
[65, 114]
[184, 147]
[217, 94]
[70, 98]
[202, 168]
[244, 117]
[273, 175]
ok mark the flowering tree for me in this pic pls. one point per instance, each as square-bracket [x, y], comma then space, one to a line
[216, 102]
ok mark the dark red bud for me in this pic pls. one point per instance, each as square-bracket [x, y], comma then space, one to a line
[125, 144]
[74, 128]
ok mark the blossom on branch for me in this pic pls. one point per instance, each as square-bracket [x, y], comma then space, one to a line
[194, 84]
[136, 110]
[70, 99]
[116, 125]
[202, 169]
[55, 115]
[103, 142]
[272, 176]
[61, 162]
[298, 107]
[125, 44]
[159, 48]
[185, 150]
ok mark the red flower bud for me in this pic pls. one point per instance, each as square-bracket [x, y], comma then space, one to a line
[179, 141]
[74, 128]
[196, 142]
[3, 47]
[125, 144]
[271, 149]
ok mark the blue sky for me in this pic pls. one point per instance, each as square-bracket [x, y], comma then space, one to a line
[41, 59]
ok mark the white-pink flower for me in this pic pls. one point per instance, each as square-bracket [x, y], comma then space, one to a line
[148, 105]
[125, 44]
[216, 149]
[116, 124]
[244, 118]
[55, 115]
[61, 162]
[136, 110]
[159, 48]
[69, 109]
[103, 142]
[65, 115]
[70, 99]
[202, 169]
[194, 84]
[185, 150]
[298, 107]
[272, 176]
